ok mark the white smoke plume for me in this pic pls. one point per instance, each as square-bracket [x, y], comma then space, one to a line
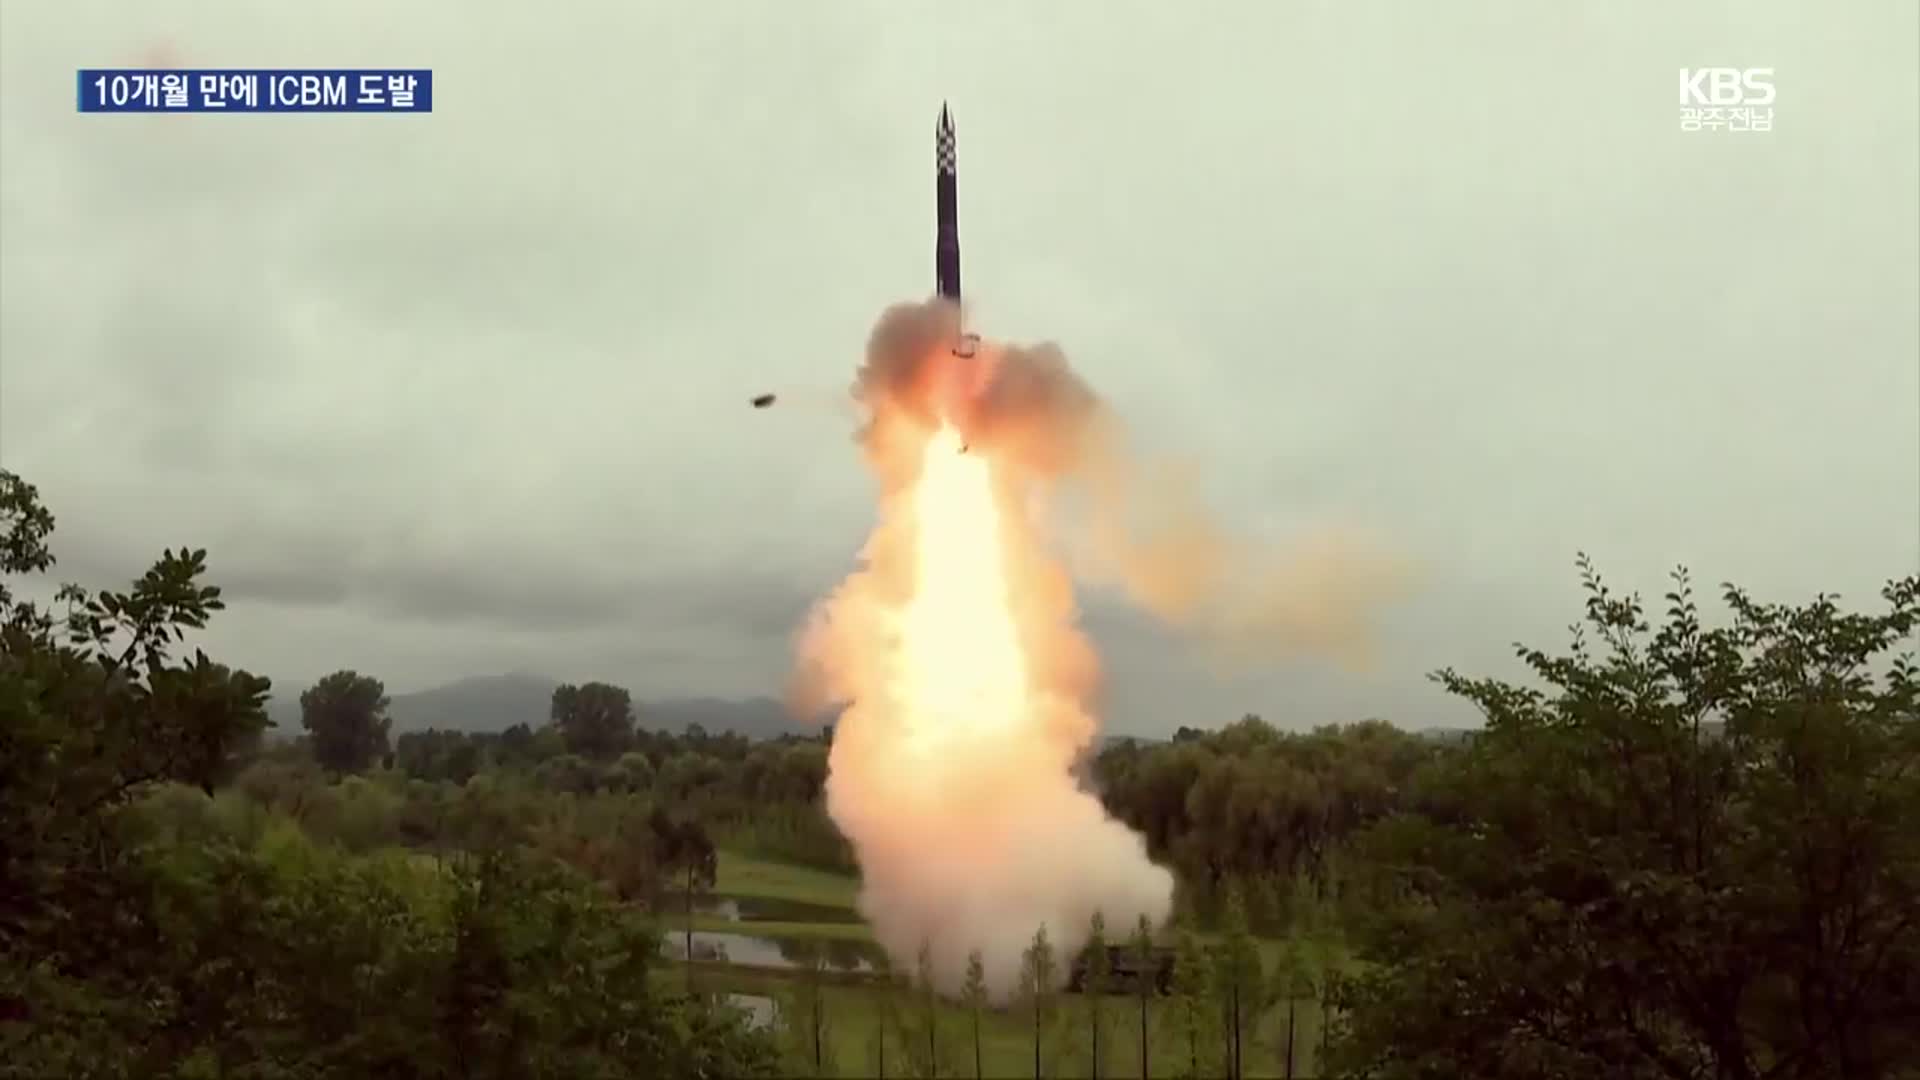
[966, 679]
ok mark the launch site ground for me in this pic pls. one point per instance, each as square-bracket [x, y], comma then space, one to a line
[757, 975]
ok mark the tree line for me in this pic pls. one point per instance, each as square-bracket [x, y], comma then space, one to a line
[1246, 806]
[152, 924]
[1674, 850]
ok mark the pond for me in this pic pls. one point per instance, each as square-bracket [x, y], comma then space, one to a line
[766, 909]
[761, 1010]
[747, 950]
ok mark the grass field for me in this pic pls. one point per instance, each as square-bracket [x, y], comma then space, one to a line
[740, 875]
[773, 929]
[852, 1024]
[852, 1008]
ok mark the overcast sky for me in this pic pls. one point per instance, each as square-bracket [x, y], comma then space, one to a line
[466, 392]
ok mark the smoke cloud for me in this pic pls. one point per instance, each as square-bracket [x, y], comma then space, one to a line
[1137, 524]
[966, 680]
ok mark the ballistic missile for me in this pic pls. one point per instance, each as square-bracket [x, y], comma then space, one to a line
[946, 246]
[946, 215]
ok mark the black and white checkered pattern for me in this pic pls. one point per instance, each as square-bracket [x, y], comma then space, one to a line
[943, 145]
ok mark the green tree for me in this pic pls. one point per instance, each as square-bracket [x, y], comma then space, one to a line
[148, 930]
[1192, 1011]
[1252, 803]
[1308, 968]
[93, 711]
[346, 714]
[479, 976]
[1145, 963]
[1293, 983]
[453, 756]
[886, 1010]
[1038, 973]
[550, 979]
[569, 773]
[633, 773]
[516, 744]
[1096, 974]
[690, 777]
[929, 1005]
[1690, 854]
[807, 1016]
[1238, 982]
[974, 993]
[461, 760]
[595, 719]
[686, 852]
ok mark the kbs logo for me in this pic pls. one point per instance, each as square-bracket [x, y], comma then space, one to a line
[1726, 99]
[1726, 86]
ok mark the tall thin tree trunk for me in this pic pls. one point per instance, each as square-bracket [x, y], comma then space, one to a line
[977, 1070]
[819, 1002]
[1096, 1038]
[1290, 1009]
[1143, 1029]
[1236, 1029]
[1326, 1028]
[1193, 1042]
[689, 931]
[1036, 1030]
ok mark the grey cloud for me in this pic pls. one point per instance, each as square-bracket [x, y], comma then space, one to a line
[402, 579]
[465, 392]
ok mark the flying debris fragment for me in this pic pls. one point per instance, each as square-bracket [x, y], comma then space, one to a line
[762, 401]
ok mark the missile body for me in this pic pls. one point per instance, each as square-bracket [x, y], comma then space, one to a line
[946, 247]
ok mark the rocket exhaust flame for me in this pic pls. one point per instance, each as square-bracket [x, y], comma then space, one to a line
[968, 685]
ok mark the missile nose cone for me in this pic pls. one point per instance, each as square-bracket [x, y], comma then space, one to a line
[943, 142]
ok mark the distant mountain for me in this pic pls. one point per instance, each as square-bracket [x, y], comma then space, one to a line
[283, 708]
[493, 703]
[756, 718]
[1712, 730]
[478, 703]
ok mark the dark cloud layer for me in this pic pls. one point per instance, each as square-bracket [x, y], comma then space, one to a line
[466, 392]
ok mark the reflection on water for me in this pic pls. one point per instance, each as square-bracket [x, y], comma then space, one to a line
[838, 954]
[747, 950]
[765, 909]
[761, 1010]
[729, 948]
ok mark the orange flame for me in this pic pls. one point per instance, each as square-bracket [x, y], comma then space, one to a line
[967, 681]
[968, 684]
